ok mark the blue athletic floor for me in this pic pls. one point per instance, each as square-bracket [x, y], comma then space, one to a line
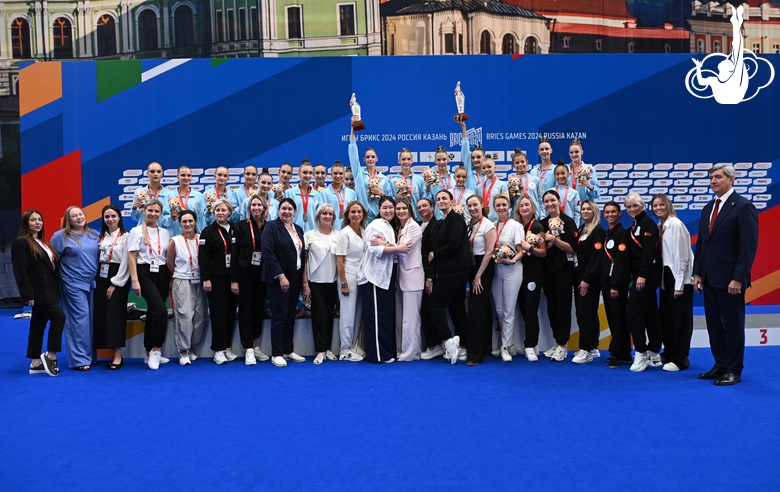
[403, 426]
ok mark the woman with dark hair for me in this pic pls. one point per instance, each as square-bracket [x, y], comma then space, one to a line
[407, 184]
[482, 237]
[188, 299]
[249, 270]
[110, 304]
[615, 277]
[587, 288]
[676, 305]
[216, 253]
[77, 246]
[283, 247]
[146, 262]
[238, 195]
[535, 249]
[449, 260]
[370, 184]
[429, 242]
[544, 171]
[349, 252]
[411, 281]
[377, 278]
[561, 238]
[35, 269]
[183, 197]
[264, 184]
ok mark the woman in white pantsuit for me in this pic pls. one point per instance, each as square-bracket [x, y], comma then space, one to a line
[349, 252]
[411, 280]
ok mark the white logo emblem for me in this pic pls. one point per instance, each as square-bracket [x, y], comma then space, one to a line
[731, 83]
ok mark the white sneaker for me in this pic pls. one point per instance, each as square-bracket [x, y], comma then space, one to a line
[350, 356]
[640, 362]
[582, 357]
[358, 350]
[259, 356]
[278, 361]
[512, 350]
[184, 358]
[452, 345]
[330, 355]
[505, 354]
[654, 359]
[560, 354]
[229, 355]
[462, 354]
[388, 361]
[249, 357]
[163, 360]
[671, 367]
[319, 359]
[496, 352]
[432, 353]
[550, 351]
[595, 353]
[530, 354]
[292, 356]
[219, 357]
[192, 356]
[154, 360]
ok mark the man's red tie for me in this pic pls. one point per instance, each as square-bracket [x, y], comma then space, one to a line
[714, 214]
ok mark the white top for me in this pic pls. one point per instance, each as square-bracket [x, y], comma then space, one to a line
[321, 263]
[185, 253]
[677, 253]
[158, 240]
[477, 239]
[111, 252]
[297, 242]
[511, 233]
[350, 246]
[376, 267]
[45, 248]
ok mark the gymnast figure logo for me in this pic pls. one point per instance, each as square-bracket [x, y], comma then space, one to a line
[731, 84]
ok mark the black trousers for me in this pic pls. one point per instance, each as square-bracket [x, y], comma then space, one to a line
[222, 312]
[448, 293]
[642, 316]
[620, 342]
[283, 308]
[587, 310]
[528, 300]
[251, 302]
[725, 315]
[676, 320]
[379, 320]
[323, 309]
[479, 338]
[154, 290]
[557, 290]
[110, 315]
[42, 314]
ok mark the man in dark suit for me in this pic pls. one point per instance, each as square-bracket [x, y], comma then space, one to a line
[725, 250]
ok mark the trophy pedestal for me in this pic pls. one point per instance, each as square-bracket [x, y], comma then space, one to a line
[358, 125]
[462, 116]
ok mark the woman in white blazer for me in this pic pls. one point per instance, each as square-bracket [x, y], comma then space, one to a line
[411, 280]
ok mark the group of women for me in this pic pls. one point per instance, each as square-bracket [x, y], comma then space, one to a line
[395, 254]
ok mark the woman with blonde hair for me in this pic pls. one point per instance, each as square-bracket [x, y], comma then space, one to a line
[587, 288]
[482, 237]
[529, 296]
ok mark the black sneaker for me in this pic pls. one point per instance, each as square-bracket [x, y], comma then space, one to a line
[49, 365]
[37, 369]
[613, 362]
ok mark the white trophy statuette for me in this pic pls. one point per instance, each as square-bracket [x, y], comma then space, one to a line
[357, 123]
[460, 101]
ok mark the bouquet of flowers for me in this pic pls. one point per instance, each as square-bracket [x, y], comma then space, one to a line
[556, 226]
[402, 187]
[503, 252]
[532, 239]
[431, 177]
[373, 183]
[210, 199]
[515, 185]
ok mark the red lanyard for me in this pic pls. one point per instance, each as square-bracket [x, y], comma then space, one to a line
[187, 242]
[267, 208]
[305, 201]
[216, 191]
[565, 198]
[545, 171]
[111, 251]
[446, 184]
[530, 224]
[223, 237]
[155, 197]
[498, 231]
[252, 231]
[606, 250]
[632, 236]
[340, 198]
[574, 176]
[486, 197]
[481, 179]
[182, 199]
[525, 188]
[460, 197]
[474, 235]
[149, 240]
[246, 190]
[371, 175]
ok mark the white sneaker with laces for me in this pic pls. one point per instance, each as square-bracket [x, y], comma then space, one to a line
[292, 356]
[550, 351]
[184, 358]
[452, 345]
[229, 355]
[278, 361]
[192, 356]
[582, 357]
[531, 355]
[653, 359]
[330, 355]
[319, 359]
[462, 354]
[671, 367]
[219, 357]
[350, 356]
[640, 362]
[560, 354]
[595, 353]
[259, 356]
[163, 360]
[249, 357]
[432, 353]
[512, 350]
[154, 360]
[505, 354]
[357, 349]
[496, 352]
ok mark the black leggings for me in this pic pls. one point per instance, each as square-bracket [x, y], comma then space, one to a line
[154, 290]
